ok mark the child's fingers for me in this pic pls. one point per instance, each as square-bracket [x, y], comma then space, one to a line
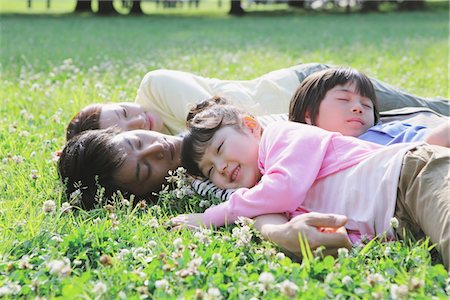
[326, 220]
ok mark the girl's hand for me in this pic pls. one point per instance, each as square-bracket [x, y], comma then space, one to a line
[191, 221]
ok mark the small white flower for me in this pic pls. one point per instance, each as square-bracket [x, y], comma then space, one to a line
[387, 251]
[59, 267]
[394, 223]
[99, 288]
[399, 292]
[216, 257]
[204, 204]
[213, 294]
[18, 159]
[178, 243]
[374, 279]
[347, 280]
[151, 244]
[288, 288]
[280, 256]
[57, 239]
[343, 252]
[24, 263]
[49, 206]
[266, 278]
[153, 223]
[66, 207]
[162, 284]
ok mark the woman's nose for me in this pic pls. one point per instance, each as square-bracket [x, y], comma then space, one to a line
[154, 150]
[136, 123]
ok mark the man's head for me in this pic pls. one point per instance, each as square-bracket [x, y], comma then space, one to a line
[108, 160]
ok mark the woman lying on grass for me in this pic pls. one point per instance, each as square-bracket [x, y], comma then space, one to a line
[294, 169]
[164, 97]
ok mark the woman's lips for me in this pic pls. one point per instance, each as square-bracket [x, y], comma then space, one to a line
[149, 121]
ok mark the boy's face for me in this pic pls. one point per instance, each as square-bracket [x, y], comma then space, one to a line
[231, 158]
[345, 111]
[129, 116]
[149, 155]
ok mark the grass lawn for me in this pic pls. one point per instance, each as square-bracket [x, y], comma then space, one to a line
[52, 65]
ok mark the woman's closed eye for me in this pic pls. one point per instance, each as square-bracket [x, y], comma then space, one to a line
[124, 112]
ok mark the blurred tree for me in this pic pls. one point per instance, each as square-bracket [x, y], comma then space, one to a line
[83, 6]
[236, 8]
[135, 8]
[106, 7]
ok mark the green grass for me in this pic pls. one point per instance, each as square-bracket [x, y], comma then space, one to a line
[53, 65]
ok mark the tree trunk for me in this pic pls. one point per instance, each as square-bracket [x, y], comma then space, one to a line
[411, 5]
[83, 6]
[236, 8]
[105, 7]
[136, 8]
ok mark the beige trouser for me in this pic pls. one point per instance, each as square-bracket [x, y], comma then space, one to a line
[423, 197]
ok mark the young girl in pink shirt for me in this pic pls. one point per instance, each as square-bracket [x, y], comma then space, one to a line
[294, 168]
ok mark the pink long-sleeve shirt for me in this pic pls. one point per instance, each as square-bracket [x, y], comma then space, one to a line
[292, 158]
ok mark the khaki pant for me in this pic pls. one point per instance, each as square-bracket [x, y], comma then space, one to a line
[423, 197]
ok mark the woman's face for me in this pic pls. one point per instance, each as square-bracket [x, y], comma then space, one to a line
[129, 116]
[149, 155]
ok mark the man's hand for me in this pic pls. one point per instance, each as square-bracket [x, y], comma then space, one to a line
[319, 229]
[188, 220]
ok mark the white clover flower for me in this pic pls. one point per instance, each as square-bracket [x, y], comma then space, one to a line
[399, 292]
[125, 202]
[347, 280]
[162, 284]
[153, 223]
[343, 252]
[216, 257]
[10, 288]
[280, 256]
[123, 253]
[178, 243]
[49, 206]
[288, 288]
[417, 283]
[204, 204]
[266, 278]
[213, 294]
[394, 223]
[151, 244]
[57, 239]
[243, 221]
[24, 263]
[75, 197]
[374, 279]
[243, 235]
[34, 174]
[99, 288]
[387, 251]
[203, 236]
[18, 159]
[66, 207]
[447, 289]
[60, 268]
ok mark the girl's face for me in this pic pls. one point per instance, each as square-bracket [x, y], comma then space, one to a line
[344, 110]
[231, 158]
[149, 155]
[129, 116]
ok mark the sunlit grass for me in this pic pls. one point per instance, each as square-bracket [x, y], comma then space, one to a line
[51, 66]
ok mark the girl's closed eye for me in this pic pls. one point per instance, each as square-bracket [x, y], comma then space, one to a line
[220, 147]
[124, 112]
